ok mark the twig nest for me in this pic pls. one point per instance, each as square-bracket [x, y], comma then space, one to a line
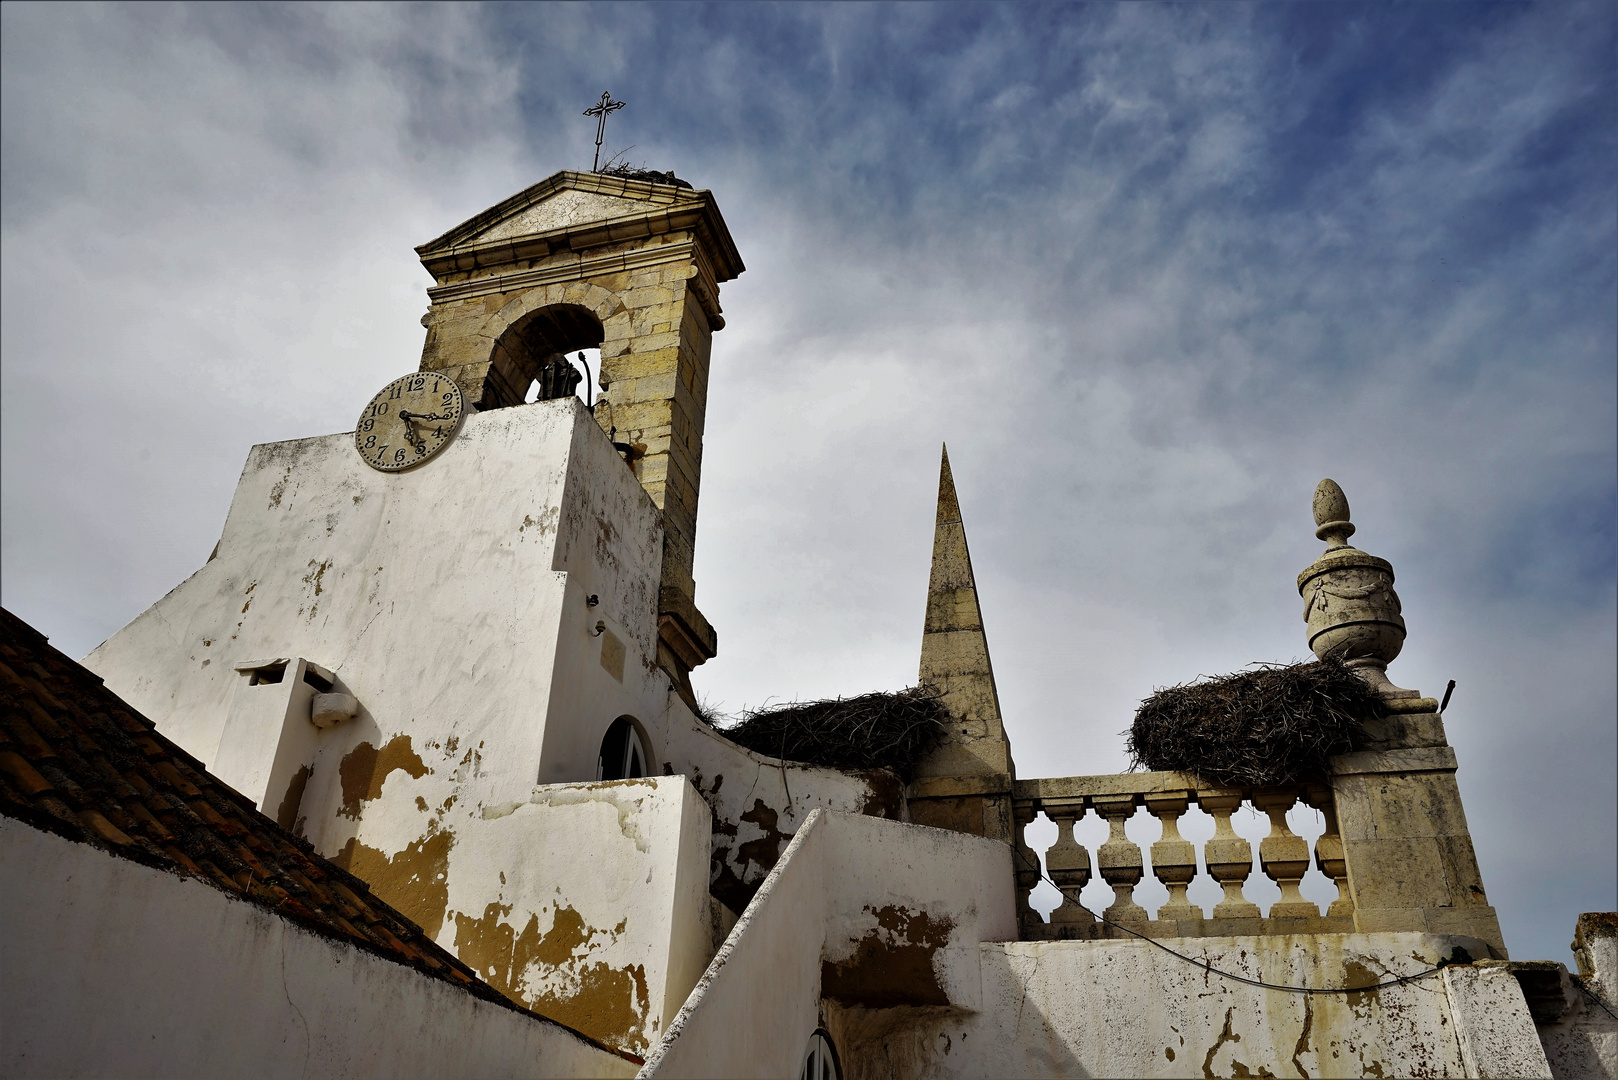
[871, 731]
[1278, 724]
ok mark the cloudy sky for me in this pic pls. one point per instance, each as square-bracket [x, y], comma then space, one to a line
[1150, 270]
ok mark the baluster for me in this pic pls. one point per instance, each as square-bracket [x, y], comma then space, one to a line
[1329, 850]
[1069, 866]
[1026, 872]
[1174, 860]
[1120, 859]
[1229, 857]
[1285, 856]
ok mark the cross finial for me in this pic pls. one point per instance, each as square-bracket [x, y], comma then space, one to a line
[600, 110]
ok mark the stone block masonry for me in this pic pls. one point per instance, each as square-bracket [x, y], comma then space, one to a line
[582, 260]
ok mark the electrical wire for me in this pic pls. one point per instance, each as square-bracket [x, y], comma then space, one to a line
[1397, 980]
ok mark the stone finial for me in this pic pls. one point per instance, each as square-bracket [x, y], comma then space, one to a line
[1349, 603]
[1331, 515]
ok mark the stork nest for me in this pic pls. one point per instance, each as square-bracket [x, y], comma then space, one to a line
[870, 731]
[632, 172]
[1275, 725]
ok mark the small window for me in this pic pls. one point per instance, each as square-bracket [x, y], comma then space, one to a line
[820, 1061]
[622, 755]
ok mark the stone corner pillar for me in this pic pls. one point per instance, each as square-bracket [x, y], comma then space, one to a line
[1409, 855]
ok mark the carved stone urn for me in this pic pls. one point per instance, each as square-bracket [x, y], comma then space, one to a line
[1348, 599]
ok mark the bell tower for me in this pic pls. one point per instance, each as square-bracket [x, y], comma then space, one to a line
[582, 260]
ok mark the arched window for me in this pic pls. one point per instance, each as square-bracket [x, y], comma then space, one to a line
[535, 349]
[820, 1060]
[623, 755]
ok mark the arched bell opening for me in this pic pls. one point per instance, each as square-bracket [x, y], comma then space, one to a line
[623, 751]
[531, 361]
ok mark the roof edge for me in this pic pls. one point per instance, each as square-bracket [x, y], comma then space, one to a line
[664, 197]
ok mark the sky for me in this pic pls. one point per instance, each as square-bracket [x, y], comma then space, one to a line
[1150, 270]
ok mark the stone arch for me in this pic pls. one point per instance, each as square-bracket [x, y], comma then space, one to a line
[537, 325]
[540, 339]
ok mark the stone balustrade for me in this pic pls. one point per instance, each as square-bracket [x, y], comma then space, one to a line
[1228, 858]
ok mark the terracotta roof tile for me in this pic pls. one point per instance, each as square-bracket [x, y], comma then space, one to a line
[75, 760]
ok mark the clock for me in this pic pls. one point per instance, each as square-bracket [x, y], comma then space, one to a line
[410, 419]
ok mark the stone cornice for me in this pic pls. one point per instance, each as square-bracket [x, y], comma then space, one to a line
[573, 270]
[671, 209]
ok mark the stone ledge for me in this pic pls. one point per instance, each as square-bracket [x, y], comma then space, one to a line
[1418, 759]
[686, 628]
[943, 787]
[563, 273]
[1167, 930]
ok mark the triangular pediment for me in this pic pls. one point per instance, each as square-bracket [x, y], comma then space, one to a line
[561, 209]
[565, 201]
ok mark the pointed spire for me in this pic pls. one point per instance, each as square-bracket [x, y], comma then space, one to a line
[955, 653]
[949, 507]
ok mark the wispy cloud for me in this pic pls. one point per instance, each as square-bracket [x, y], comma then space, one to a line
[1152, 271]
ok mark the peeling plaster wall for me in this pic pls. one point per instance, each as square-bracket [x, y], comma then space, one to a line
[588, 903]
[758, 803]
[888, 912]
[453, 602]
[161, 965]
[873, 930]
[445, 598]
[1126, 1008]
[1582, 1043]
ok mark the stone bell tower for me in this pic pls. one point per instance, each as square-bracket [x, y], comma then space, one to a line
[582, 260]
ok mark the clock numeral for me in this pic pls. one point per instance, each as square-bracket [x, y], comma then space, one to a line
[414, 441]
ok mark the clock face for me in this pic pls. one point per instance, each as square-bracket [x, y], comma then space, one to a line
[410, 419]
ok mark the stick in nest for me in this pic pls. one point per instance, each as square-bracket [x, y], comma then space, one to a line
[870, 731]
[1275, 725]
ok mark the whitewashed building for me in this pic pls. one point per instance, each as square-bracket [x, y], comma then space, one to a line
[444, 662]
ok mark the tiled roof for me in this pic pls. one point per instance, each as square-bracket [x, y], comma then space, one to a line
[77, 761]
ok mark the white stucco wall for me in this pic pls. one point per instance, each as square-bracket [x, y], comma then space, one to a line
[110, 968]
[440, 596]
[1493, 1028]
[836, 897]
[1126, 1008]
[453, 602]
[759, 803]
[588, 903]
[1062, 1009]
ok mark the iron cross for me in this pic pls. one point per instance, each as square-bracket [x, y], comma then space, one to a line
[600, 110]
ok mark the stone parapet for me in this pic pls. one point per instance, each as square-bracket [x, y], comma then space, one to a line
[1396, 844]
